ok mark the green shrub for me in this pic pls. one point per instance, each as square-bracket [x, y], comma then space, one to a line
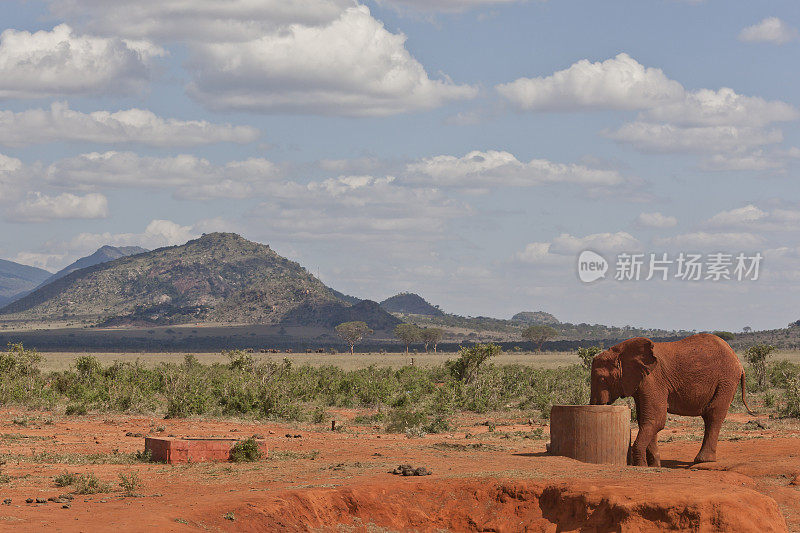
[75, 409]
[403, 419]
[90, 484]
[245, 451]
[66, 479]
[757, 356]
[586, 355]
[791, 396]
[470, 360]
[129, 483]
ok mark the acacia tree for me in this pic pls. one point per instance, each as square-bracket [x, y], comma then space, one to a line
[352, 332]
[407, 333]
[431, 336]
[538, 334]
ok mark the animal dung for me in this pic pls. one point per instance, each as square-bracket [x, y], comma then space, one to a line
[599, 434]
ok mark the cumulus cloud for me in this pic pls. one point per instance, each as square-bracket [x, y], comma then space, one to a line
[39, 207]
[566, 244]
[352, 66]
[158, 233]
[727, 126]
[770, 30]
[618, 83]
[201, 20]
[656, 220]
[188, 175]
[704, 241]
[60, 123]
[536, 253]
[494, 168]
[754, 160]
[723, 107]
[375, 210]
[61, 62]
[446, 5]
[752, 217]
[669, 138]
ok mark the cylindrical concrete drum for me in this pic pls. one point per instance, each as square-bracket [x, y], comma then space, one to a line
[599, 434]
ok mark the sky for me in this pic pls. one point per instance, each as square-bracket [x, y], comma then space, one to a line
[465, 150]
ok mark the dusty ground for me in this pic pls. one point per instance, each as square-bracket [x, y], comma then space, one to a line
[485, 477]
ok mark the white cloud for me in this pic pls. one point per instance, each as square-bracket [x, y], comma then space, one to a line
[566, 244]
[618, 83]
[668, 138]
[202, 20]
[723, 107]
[737, 217]
[446, 5]
[537, 253]
[158, 233]
[363, 209]
[770, 30]
[656, 220]
[42, 208]
[494, 168]
[755, 160]
[59, 62]
[60, 123]
[51, 262]
[751, 217]
[10, 178]
[188, 175]
[720, 122]
[702, 241]
[352, 66]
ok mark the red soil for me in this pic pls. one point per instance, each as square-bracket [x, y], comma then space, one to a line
[324, 480]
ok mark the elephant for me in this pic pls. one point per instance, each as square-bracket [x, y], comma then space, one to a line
[695, 376]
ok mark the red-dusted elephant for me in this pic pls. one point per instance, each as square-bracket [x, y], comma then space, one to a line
[696, 376]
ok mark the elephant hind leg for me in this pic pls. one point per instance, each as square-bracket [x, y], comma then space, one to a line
[713, 417]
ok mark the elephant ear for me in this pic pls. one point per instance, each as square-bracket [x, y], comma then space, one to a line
[636, 356]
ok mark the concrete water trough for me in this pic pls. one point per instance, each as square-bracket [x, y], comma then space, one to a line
[192, 450]
[599, 434]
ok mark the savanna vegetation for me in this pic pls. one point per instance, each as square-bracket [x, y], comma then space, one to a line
[409, 398]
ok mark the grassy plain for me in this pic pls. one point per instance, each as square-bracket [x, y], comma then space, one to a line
[55, 361]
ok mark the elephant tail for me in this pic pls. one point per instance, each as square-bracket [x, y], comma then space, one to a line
[743, 400]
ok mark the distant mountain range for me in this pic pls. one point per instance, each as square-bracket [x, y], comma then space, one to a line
[16, 279]
[220, 278]
[102, 255]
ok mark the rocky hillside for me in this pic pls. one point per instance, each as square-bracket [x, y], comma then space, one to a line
[408, 303]
[102, 255]
[16, 279]
[220, 277]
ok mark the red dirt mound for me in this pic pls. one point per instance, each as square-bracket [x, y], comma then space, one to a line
[498, 505]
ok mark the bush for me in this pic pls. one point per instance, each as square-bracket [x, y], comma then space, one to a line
[129, 483]
[791, 396]
[727, 336]
[90, 484]
[586, 355]
[246, 451]
[66, 479]
[756, 357]
[468, 365]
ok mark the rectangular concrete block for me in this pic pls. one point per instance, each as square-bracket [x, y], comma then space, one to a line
[190, 450]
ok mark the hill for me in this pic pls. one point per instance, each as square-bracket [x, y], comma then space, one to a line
[102, 255]
[408, 303]
[331, 314]
[220, 277]
[535, 318]
[16, 279]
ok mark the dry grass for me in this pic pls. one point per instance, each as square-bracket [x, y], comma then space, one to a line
[62, 361]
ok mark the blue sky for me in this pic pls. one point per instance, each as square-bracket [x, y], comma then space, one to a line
[467, 150]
